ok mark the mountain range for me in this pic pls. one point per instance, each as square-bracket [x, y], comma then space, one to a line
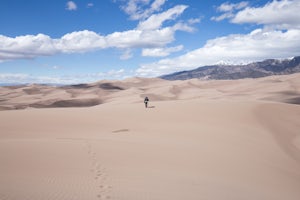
[230, 72]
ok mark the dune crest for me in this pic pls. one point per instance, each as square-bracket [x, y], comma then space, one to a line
[283, 89]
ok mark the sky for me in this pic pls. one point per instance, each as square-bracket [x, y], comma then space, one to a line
[81, 41]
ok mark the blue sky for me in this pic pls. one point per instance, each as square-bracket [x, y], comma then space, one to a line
[57, 41]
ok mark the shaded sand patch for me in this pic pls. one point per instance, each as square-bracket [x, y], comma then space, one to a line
[295, 100]
[283, 123]
[121, 130]
[67, 103]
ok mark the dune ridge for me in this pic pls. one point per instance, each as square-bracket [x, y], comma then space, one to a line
[276, 88]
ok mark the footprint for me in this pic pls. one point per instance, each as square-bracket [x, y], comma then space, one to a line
[99, 172]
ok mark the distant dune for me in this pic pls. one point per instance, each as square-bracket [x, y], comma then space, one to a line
[275, 88]
[229, 140]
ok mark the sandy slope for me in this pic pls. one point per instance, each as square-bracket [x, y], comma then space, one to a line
[205, 140]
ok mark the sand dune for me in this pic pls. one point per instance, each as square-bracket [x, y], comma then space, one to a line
[277, 88]
[198, 140]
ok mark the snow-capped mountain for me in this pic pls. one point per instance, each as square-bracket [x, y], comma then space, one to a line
[252, 70]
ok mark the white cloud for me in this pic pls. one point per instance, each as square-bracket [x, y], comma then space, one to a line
[13, 78]
[280, 14]
[127, 54]
[140, 39]
[257, 45]
[227, 15]
[156, 5]
[108, 75]
[194, 21]
[161, 52]
[136, 8]
[229, 9]
[155, 21]
[89, 5]
[71, 5]
[9, 78]
[133, 9]
[80, 41]
[149, 33]
[31, 46]
[28, 46]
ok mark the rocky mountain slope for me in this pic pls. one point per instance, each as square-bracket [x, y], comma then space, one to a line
[252, 70]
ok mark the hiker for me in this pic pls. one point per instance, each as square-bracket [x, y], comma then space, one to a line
[146, 102]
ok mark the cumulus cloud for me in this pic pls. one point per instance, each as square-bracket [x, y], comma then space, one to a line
[28, 46]
[280, 14]
[257, 45]
[229, 9]
[139, 38]
[149, 33]
[137, 11]
[80, 41]
[71, 5]
[227, 15]
[161, 52]
[31, 46]
[156, 20]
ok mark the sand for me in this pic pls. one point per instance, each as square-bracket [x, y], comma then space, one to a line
[211, 140]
